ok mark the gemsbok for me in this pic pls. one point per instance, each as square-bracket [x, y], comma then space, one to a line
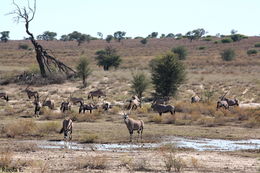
[134, 103]
[83, 107]
[132, 125]
[160, 108]
[98, 93]
[75, 100]
[31, 93]
[67, 129]
[231, 102]
[65, 106]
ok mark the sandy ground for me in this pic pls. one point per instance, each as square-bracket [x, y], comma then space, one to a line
[150, 160]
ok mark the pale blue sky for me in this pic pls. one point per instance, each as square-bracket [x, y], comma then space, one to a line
[135, 17]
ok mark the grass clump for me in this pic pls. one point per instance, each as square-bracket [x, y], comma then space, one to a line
[202, 48]
[155, 118]
[49, 127]
[89, 138]
[23, 46]
[8, 164]
[257, 45]
[228, 54]
[20, 128]
[172, 161]
[251, 52]
[141, 165]
[96, 162]
[226, 40]
[181, 52]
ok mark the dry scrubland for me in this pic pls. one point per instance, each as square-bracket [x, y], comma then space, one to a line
[206, 71]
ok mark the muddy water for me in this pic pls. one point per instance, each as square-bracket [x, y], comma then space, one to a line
[197, 144]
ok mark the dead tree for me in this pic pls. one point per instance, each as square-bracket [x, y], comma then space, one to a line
[45, 61]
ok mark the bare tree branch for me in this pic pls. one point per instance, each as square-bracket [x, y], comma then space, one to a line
[43, 58]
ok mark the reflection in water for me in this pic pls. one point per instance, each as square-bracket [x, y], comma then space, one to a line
[202, 144]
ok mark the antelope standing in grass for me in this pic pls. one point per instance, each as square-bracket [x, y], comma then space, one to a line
[67, 129]
[31, 93]
[65, 106]
[134, 103]
[98, 93]
[160, 108]
[83, 107]
[133, 125]
[4, 96]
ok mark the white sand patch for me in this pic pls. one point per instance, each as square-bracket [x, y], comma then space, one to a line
[249, 105]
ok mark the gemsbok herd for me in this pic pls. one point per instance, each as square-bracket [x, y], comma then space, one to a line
[158, 105]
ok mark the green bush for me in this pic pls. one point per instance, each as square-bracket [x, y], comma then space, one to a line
[236, 37]
[108, 58]
[139, 84]
[207, 39]
[228, 54]
[144, 41]
[201, 47]
[227, 40]
[23, 46]
[181, 51]
[257, 45]
[168, 73]
[251, 52]
[83, 70]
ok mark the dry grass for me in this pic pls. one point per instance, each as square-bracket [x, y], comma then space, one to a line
[141, 165]
[88, 138]
[96, 162]
[29, 128]
[9, 164]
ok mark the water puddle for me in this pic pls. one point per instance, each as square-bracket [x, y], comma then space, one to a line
[201, 144]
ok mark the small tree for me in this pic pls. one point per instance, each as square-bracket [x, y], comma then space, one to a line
[195, 34]
[108, 58]
[83, 70]
[47, 35]
[154, 35]
[109, 38]
[100, 35]
[5, 36]
[162, 36]
[168, 72]
[119, 35]
[82, 38]
[139, 84]
[170, 35]
[181, 51]
[64, 37]
[228, 54]
[144, 41]
[236, 37]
